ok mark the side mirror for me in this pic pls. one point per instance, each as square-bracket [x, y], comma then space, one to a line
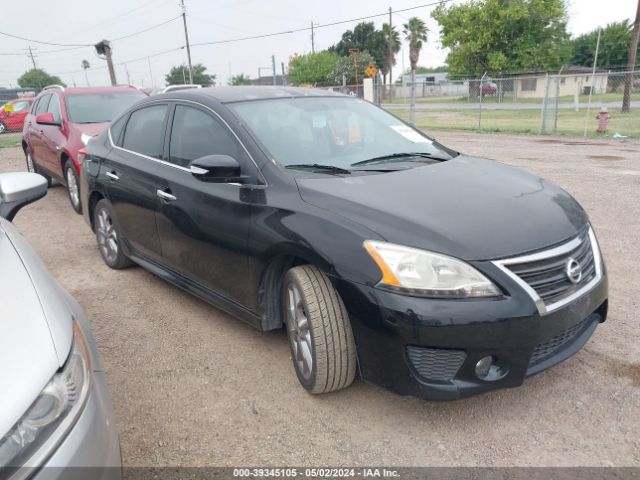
[46, 119]
[217, 169]
[18, 189]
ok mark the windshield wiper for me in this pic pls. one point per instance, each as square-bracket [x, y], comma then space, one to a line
[318, 166]
[398, 157]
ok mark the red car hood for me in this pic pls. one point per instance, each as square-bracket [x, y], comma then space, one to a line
[91, 129]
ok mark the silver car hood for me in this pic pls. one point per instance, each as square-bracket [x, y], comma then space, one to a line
[35, 326]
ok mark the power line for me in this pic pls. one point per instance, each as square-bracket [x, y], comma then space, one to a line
[145, 30]
[305, 29]
[45, 43]
[74, 47]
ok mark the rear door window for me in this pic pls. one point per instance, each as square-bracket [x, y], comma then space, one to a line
[144, 132]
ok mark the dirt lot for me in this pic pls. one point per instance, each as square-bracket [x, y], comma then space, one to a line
[193, 386]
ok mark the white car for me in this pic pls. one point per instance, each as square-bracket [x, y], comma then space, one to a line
[55, 408]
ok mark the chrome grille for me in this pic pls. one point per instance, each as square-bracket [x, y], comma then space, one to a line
[545, 274]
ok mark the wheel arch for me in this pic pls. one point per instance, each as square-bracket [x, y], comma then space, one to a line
[94, 198]
[277, 263]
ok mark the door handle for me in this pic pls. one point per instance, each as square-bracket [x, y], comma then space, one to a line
[165, 195]
[112, 176]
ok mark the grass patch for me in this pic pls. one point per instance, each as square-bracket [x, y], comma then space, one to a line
[9, 141]
[570, 122]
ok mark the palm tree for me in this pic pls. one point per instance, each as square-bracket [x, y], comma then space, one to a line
[86, 66]
[391, 37]
[415, 31]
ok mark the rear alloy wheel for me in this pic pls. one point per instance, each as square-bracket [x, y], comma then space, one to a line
[73, 187]
[319, 331]
[3, 128]
[108, 237]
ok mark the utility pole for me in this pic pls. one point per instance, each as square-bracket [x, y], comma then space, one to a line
[390, 48]
[186, 38]
[126, 70]
[631, 62]
[104, 48]
[354, 56]
[313, 40]
[150, 72]
[273, 67]
[284, 81]
[33, 60]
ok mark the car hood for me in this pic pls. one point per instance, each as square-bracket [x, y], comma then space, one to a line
[35, 327]
[91, 129]
[470, 208]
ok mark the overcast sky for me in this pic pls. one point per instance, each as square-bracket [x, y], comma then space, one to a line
[88, 21]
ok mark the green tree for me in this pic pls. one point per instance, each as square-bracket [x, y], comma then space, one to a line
[312, 68]
[38, 78]
[240, 79]
[392, 47]
[504, 36]
[345, 68]
[415, 31]
[614, 46]
[366, 38]
[180, 74]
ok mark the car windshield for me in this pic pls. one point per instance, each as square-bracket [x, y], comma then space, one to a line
[334, 131]
[99, 107]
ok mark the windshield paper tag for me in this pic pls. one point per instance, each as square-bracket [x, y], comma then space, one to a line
[410, 134]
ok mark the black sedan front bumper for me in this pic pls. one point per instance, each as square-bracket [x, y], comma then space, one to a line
[430, 348]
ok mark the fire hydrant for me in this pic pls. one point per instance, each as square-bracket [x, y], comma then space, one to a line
[603, 120]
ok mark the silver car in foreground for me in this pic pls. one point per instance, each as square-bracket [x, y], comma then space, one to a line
[55, 409]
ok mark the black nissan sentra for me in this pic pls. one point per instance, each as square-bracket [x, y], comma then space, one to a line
[382, 252]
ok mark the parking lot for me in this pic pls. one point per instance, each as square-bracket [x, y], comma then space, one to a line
[193, 386]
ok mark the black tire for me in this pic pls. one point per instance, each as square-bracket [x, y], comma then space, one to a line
[73, 186]
[106, 231]
[33, 167]
[332, 348]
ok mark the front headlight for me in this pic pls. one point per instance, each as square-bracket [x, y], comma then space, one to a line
[50, 416]
[427, 274]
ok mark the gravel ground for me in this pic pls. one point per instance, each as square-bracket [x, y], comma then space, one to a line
[193, 386]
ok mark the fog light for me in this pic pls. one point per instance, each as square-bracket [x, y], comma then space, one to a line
[490, 369]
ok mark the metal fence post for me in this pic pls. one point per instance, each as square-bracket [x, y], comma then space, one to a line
[480, 112]
[543, 120]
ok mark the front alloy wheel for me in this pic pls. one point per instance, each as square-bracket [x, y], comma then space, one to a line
[108, 237]
[73, 187]
[30, 165]
[319, 331]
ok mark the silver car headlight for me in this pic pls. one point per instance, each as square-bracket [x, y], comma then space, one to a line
[53, 413]
[422, 273]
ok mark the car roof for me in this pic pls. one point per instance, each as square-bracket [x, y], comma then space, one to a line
[90, 90]
[246, 93]
[21, 99]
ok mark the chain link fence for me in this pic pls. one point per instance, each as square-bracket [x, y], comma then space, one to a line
[564, 104]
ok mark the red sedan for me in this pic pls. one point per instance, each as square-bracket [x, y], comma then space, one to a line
[13, 113]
